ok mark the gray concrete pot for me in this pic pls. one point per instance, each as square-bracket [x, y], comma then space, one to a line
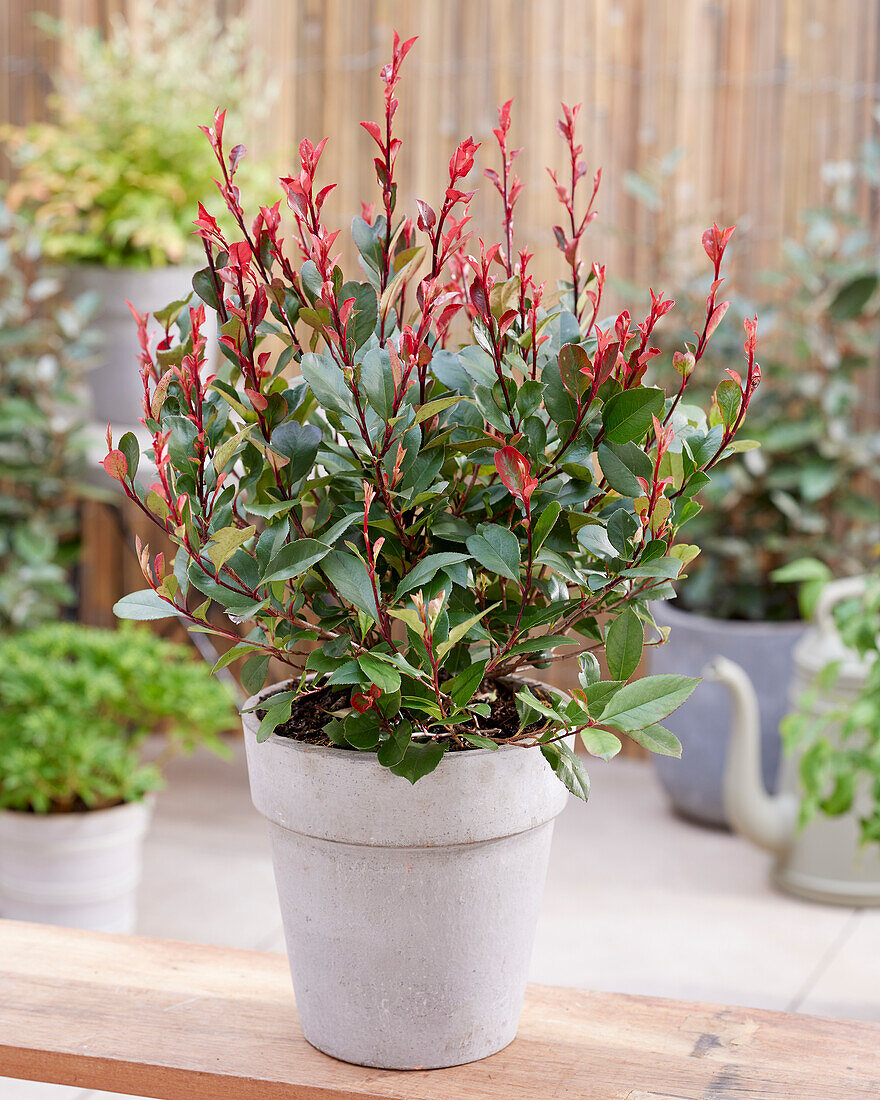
[81, 870]
[115, 382]
[409, 910]
[695, 782]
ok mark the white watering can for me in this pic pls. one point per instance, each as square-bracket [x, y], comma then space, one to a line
[823, 861]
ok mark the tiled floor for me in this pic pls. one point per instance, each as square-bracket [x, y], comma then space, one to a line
[637, 901]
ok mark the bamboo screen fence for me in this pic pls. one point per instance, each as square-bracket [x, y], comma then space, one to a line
[756, 94]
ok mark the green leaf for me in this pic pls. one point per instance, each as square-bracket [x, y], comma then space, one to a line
[656, 739]
[294, 559]
[568, 767]
[391, 752]
[728, 399]
[362, 731]
[203, 285]
[420, 758]
[349, 577]
[335, 532]
[275, 715]
[497, 550]
[326, 381]
[298, 443]
[599, 693]
[225, 542]
[530, 701]
[227, 449]
[411, 264]
[458, 632]
[622, 465]
[461, 688]
[623, 644]
[132, 451]
[646, 701]
[253, 672]
[804, 569]
[426, 569]
[852, 298]
[383, 675]
[433, 408]
[628, 415]
[544, 525]
[601, 743]
[377, 381]
[143, 605]
[667, 567]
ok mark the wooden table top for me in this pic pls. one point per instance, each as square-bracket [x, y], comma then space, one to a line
[183, 1021]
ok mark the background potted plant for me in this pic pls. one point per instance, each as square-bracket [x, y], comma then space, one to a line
[45, 348]
[809, 490]
[407, 527]
[824, 825]
[110, 181]
[78, 705]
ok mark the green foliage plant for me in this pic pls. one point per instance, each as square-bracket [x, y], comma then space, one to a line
[428, 513]
[44, 349]
[113, 176]
[812, 489]
[78, 704]
[837, 737]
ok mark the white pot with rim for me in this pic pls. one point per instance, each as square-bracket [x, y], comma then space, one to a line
[409, 910]
[81, 870]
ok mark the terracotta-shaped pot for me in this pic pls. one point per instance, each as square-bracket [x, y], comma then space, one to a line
[409, 910]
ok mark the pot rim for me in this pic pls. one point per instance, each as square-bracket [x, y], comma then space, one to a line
[698, 621]
[249, 719]
[149, 800]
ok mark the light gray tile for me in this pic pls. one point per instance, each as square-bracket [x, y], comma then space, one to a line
[639, 901]
[849, 983]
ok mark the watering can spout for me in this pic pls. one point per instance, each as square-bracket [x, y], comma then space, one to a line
[765, 819]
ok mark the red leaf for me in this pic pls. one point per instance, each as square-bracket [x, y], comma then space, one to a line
[116, 465]
[257, 400]
[515, 471]
[375, 133]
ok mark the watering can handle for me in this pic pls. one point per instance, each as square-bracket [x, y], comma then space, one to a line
[833, 594]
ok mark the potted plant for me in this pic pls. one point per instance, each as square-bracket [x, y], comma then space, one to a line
[78, 705]
[45, 349]
[110, 181]
[470, 476]
[810, 490]
[824, 824]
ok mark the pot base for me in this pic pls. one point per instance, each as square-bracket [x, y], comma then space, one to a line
[830, 891]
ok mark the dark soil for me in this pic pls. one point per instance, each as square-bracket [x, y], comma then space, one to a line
[311, 712]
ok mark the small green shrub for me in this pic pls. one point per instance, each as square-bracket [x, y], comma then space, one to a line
[113, 177]
[77, 705]
[838, 739]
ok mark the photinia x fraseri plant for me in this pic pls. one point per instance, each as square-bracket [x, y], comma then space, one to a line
[433, 473]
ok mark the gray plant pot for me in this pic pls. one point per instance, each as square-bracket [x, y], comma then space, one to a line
[79, 869]
[695, 782]
[115, 382]
[409, 910]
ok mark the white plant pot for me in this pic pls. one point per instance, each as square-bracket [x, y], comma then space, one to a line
[409, 910]
[115, 381]
[76, 869]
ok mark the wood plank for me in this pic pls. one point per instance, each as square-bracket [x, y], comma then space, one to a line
[184, 1021]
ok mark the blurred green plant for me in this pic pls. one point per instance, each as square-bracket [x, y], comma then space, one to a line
[116, 174]
[78, 704]
[838, 739]
[811, 489]
[44, 347]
